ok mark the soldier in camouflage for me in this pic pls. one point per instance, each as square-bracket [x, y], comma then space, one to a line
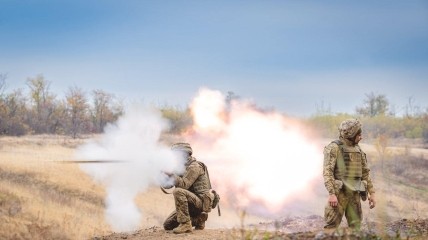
[346, 177]
[192, 195]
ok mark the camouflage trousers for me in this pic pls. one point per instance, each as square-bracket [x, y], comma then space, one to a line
[350, 205]
[187, 206]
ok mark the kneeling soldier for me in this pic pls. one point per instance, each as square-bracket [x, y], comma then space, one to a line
[192, 195]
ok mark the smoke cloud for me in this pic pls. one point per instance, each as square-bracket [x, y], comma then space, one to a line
[138, 159]
[260, 160]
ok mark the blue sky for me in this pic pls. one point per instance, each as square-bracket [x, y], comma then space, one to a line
[288, 55]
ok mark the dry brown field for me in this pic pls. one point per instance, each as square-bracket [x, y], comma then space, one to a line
[41, 197]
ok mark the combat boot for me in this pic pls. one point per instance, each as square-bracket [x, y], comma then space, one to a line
[200, 220]
[183, 228]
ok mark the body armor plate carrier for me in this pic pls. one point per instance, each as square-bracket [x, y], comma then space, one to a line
[348, 167]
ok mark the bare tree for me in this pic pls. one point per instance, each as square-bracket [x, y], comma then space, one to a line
[13, 114]
[230, 97]
[43, 105]
[412, 109]
[424, 117]
[323, 109]
[105, 109]
[3, 77]
[3, 106]
[374, 105]
[77, 110]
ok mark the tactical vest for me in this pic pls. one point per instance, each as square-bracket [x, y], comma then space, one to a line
[348, 164]
[202, 183]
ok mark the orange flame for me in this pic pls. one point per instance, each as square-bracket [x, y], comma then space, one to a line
[255, 158]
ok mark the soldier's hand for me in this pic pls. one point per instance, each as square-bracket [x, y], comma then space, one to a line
[168, 174]
[372, 200]
[332, 200]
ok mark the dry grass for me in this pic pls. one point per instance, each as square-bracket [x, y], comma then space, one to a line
[53, 200]
[41, 198]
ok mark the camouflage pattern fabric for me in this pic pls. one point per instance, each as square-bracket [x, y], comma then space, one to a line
[349, 201]
[350, 205]
[331, 154]
[182, 147]
[349, 128]
[193, 171]
[188, 206]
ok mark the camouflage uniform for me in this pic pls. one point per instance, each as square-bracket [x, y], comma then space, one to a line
[192, 195]
[345, 174]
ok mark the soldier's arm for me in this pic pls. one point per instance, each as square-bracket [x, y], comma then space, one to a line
[192, 173]
[366, 174]
[330, 156]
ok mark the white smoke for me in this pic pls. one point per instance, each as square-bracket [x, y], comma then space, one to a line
[259, 160]
[137, 162]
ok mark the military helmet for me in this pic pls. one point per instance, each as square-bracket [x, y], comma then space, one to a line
[181, 146]
[349, 128]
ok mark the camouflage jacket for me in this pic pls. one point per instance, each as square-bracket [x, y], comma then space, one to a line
[331, 153]
[192, 176]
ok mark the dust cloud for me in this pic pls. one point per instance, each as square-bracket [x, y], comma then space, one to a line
[138, 160]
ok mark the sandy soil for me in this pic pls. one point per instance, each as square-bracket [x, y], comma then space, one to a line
[401, 229]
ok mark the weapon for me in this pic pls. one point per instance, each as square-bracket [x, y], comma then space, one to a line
[165, 191]
[91, 161]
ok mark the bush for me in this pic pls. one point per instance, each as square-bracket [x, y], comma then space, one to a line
[179, 119]
[388, 126]
[327, 124]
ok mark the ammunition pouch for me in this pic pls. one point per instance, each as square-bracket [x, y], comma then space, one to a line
[352, 184]
[216, 199]
[356, 185]
[216, 202]
[206, 203]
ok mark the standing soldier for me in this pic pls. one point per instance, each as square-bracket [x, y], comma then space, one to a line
[346, 177]
[192, 194]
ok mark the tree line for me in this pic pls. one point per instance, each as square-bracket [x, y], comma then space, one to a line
[378, 116]
[40, 111]
[379, 119]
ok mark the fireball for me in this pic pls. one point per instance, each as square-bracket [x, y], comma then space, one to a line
[255, 158]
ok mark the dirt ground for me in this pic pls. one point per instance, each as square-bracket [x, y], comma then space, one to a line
[402, 229]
